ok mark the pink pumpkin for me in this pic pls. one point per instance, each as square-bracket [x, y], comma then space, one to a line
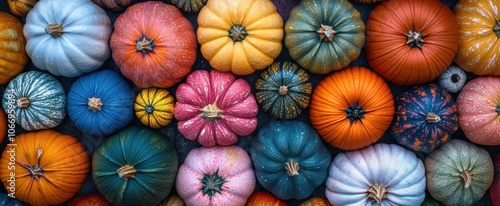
[478, 105]
[495, 186]
[215, 108]
[219, 175]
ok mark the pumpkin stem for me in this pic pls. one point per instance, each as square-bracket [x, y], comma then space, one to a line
[211, 112]
[432, 118]
[144, 45]
[355, 112]
[455, 78]
[377, 193]
[36, 171]
[496, 28]
[212, 183]
[55, 30]
[126, 172]
[326, 33]
[466, 178]
[149, 109]
[95, 104]
[414, 39]
[292, 168]
[283, 90]
[23, 102]
[237, 33]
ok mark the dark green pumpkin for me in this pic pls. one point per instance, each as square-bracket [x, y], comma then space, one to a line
[189, 6]
[324, 35]
[7, 200]
[426, 117]
[284, 90]
[136, 166]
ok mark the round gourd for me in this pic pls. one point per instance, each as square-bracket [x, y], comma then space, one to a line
[36, 99]
[49, 167]
[495, 186]
[426, 116]
[189, 6]
[324, 35]
[264, 198]
[284, 90]
[153, 49]
[95, 199]
[135, 167]
[239, 36]
[411, 42]
[67, 38]
[215, 108]
[478, 105]
[289, 158]
[458, 173]
[20, 8]
[12, 47]
[5, 199]
[381, 174]
[154, 107]
[453, 79]
[352, 108]
[219, 175]
[101, 103]
[114, 5]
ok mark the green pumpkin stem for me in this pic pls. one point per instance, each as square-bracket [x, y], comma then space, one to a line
[377, 193]
[326, 33]
[55, 30]
[23, 102]
[237, 33]
[211, 112]
[292, 168]
[35, 171]
[144, 45]
[496, 28]
[466, 178]
[126, 172]
[94, 104]
[414, 39]
[283, 90]
[212, 183]
[432, 118]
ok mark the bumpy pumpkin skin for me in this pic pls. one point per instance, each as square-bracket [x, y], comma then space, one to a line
[411, 42]
[240, 36]
[50, 167]
[264, 198]
[189, 6]
[114, 5]
[154, 107]
[458, 173]
[495, 186]
[153, 49]
[20, 8]
[12, 46]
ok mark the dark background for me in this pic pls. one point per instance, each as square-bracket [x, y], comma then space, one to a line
[183, 145]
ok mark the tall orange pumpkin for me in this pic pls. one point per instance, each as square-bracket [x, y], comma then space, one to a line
[411, 42]
[49, 167]
[351, 108]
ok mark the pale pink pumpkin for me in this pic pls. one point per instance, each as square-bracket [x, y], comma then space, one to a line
[478, 105]
[215, 108]
[219, 175]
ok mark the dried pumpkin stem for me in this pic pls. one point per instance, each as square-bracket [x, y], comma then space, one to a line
[144, 45]
[211, 112]
[377, 193]
[432, 117]
[466, 178]
[414, 39]
[23, 102]
[292, 168]
[326, 33]
[126, 172]
[55, 30]
[283, 90]
[36, 171]
[94, 104]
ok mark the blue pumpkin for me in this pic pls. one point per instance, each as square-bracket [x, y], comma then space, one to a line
[290, 159]
[101, 103]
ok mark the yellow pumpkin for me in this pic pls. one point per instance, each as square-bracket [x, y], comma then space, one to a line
[240, 36]
[154, 107]
[13, 57]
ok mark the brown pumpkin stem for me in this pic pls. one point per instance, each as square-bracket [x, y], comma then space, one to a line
[432, 118]
[237, 33]
[126, 172]
[283, 90]
[95, 104]
[36, 171]
[211, 112]
[23, 102]
[466, 178]
[144, 45]
[414, 38]
[326, 33]
[292, 168]
[377, 193]
[496, 28]
[55, 30]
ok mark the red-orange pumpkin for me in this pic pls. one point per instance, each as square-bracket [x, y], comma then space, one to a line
[264, 198]
[95, 199]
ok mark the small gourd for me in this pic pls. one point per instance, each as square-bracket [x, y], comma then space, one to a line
[452, 79]
[154, 107]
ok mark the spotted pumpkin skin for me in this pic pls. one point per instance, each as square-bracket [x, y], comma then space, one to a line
[426, 116]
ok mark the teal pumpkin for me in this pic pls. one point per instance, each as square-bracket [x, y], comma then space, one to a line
[136, 166]
[290, 159]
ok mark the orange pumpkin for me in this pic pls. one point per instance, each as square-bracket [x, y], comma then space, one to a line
[49, 167]
[411, 42]
[20, 8]
[264, 198]
[13, 56]
[95, 199]
[352, 108]
[316, 201]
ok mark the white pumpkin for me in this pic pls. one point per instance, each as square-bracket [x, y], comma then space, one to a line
[381, 174]
[67, 38]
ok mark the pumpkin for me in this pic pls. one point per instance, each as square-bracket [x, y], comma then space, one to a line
[45, 167]
[135, 167]
[428, 201]
[411, 42]
[5, 199]
[219, 175]
[478, 105]
[189, 6]
[172, 200]
[36, 99]
[368, 1]
[316, 201]
[101, 103]
[495, 186]
[352, 108]
[284, 90]
[153, 49]
[114, 5]
[95, 199]
[458, 173]
[12, 46]
[380, 174]
[215, 108]
[479, 29]
[154, 107]
[264, 198]
[5, 124]
[324, 35]
[452, 79]
[239, 36]
[289, 158]
[20, 8]
[67, 38]
[426, 116]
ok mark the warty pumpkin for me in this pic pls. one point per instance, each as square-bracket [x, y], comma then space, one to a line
[12, 47]
[154, 107]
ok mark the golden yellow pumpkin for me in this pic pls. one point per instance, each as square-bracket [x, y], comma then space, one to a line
[154, 107]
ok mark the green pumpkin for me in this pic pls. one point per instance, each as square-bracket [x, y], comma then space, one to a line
[458, 173]
[284, 90]
[189, 6]
[324, 35]
[135, 166]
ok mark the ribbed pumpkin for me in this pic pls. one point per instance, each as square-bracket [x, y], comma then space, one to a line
[316, 201]
[352, 108]
[153, 49]
[189, 6]
[49, 167]
[95, 199]
[12, 47]
[154, 107]
[411, 42]
[495, 186]
[135, 167]
[324, 35]
[240, 36]
[264, 198]
[284, 90]
[20, 8]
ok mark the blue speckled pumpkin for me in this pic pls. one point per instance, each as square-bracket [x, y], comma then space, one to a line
[426, 116]
[290, 159]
